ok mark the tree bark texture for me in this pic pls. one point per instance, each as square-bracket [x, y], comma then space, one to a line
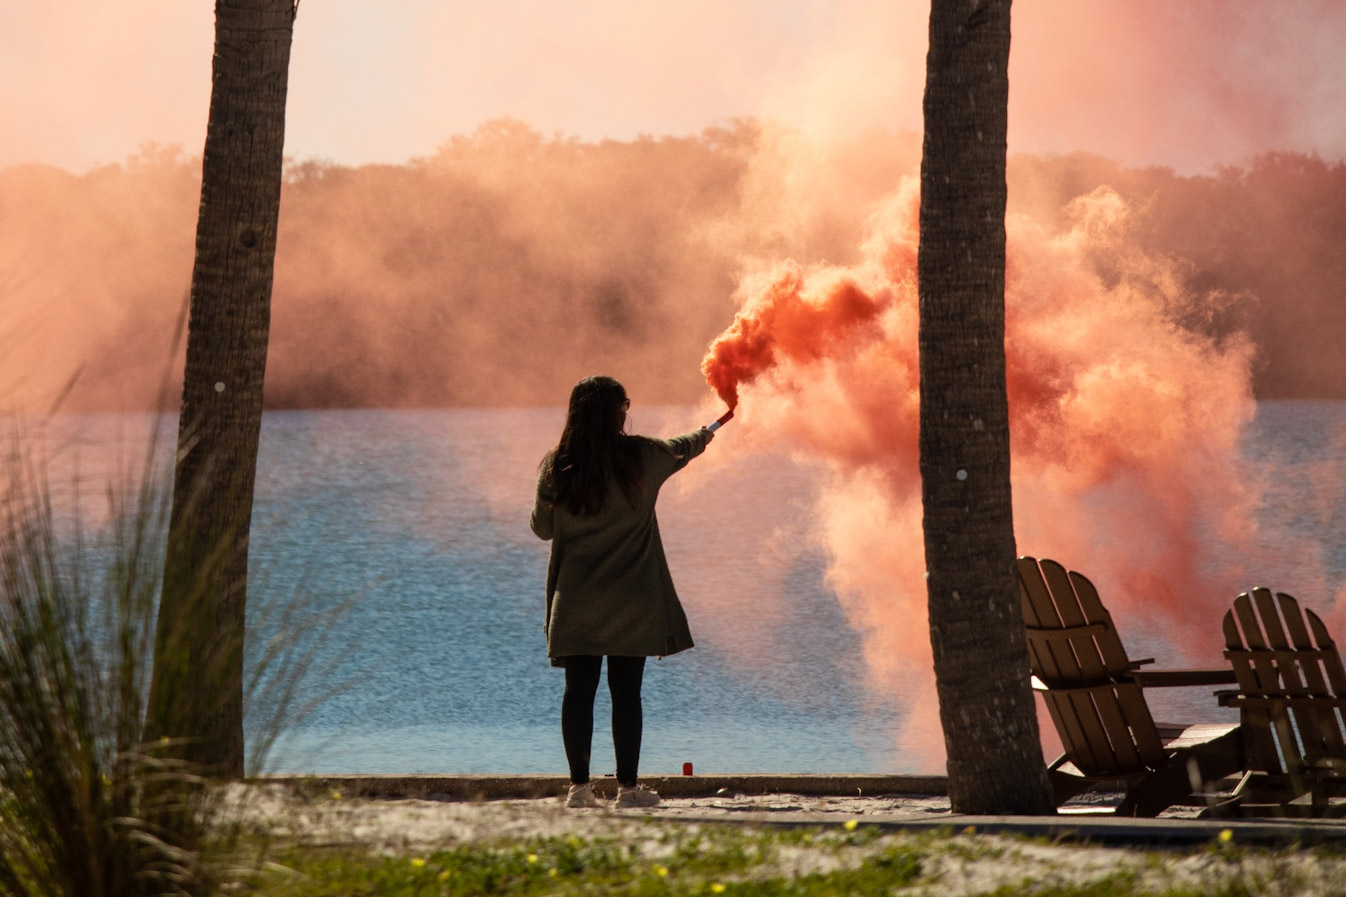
[976, 627]
[196, 690]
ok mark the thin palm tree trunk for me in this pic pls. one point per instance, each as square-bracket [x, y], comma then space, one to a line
[976, 628]
[196, 690]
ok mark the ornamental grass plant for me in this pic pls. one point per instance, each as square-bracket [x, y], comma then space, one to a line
[84, 800]
[87, 808]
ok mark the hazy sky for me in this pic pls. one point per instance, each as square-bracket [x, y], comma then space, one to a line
[1189, 84]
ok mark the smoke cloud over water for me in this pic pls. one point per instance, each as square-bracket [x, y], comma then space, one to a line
[1125, 428]
[509, 265]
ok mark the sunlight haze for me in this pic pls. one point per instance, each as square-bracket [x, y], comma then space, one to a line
[1189, 85]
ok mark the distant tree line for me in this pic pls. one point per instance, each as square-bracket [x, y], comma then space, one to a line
[1263, 240]
[510, 263]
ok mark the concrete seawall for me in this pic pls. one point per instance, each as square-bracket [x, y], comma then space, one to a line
[498, 787]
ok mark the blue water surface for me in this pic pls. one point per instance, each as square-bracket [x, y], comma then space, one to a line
[408, 532]
[422, 518]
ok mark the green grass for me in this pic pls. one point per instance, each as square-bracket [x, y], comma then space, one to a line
[731, 862]
[672, 860]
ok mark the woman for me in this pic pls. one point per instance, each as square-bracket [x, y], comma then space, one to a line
[609, 592]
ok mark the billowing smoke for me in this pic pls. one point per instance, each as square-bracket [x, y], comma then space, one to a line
[782, 326]
[1125, 425]
[495, 272]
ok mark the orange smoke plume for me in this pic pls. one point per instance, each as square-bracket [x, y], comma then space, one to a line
[1125, 430]
[784, 323]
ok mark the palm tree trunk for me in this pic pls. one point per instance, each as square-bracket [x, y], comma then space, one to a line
[196, 688]
[976, 628]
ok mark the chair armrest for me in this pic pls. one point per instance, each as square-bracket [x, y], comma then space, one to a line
[1171, 678]
[1140, 663]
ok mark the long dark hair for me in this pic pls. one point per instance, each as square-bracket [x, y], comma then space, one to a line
[594, 446]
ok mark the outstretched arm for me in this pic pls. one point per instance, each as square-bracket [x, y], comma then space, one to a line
[687, 446]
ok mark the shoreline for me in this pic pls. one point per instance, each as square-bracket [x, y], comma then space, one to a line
[892, 803]
[469, 786]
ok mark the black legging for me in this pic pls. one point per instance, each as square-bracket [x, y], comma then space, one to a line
[577, 713]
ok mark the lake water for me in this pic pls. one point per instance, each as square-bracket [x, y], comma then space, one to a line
[424, 516]
[419, 519]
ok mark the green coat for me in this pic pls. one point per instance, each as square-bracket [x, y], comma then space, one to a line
[609, 590]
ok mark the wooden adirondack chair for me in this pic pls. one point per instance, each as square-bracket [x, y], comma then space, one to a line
[1292, 694]
[1095, 696]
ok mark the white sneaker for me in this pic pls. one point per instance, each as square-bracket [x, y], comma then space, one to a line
[636, 796]
[583, 796]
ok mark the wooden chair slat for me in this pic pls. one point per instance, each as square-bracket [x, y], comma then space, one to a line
[1336, 676]
[1259, 736]
[1068, 609]
[1051, 662]
[1247, 618]
[1094, 752]
[1263, 666]
[1282, 701]
[1183, 677]
[1332, 665]
[1240, 654]
[1109, 643]
[1318, 659]
[1140, 728]
[1296, 629]
[1319, 725]
[1268, 614]
[1088, 630]
[1066, 717]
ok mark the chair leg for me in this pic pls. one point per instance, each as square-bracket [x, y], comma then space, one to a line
[1064, 787]
[1185, 773]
